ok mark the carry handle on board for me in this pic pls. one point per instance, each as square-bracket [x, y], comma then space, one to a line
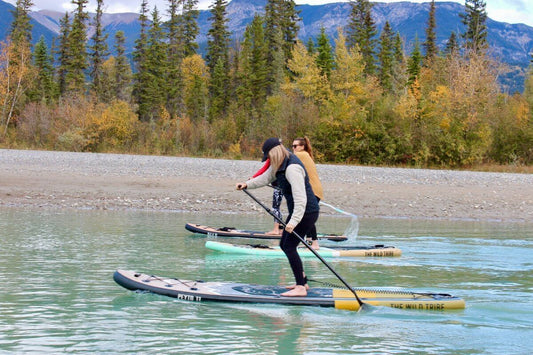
[307, 245]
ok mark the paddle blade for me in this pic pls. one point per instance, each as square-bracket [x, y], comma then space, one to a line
[352, 230]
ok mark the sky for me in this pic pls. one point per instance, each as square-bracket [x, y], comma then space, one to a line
[510, 11]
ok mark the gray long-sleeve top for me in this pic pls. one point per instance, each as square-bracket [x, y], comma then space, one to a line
[295, 175]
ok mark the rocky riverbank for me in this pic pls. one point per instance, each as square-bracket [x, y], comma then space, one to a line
[43, 179]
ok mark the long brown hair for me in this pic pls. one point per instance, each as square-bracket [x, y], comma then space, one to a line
[277, 155]
[307, 145]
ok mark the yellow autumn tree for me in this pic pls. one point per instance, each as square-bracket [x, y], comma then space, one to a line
[195, 84]
[295, 109]
[308, 80]
[194, 131]
[16, 74]
[474, 92]
[512, 141]
[347, 79]
[113, 126]
[342, 134]
[450, 109]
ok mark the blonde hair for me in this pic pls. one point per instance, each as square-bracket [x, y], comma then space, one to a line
[277, 155]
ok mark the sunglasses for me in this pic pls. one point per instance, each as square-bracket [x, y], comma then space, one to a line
[295, 145]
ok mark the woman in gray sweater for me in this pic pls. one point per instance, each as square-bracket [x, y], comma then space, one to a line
[291, 177]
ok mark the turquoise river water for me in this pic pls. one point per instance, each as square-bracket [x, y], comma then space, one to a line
[58, 296]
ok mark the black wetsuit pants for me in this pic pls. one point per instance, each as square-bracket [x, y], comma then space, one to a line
[289, 244]
[312, 232]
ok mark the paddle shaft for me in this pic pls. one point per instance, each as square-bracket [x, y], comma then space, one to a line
[326, 204]
[307, 245]
[337, 209]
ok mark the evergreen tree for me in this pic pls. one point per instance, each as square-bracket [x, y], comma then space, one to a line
[218, 58]
[430, 44]
[282, 15]
[116, 75]
[253, 69]
[289, 25]
[398, 49]
[277, 66]
[218, 35]
[77, 49]
[386, 57]
[63, 54]
[218, 90]
[414, 63]
[20, 33]
[361, 31]
[281, 29]
[174, 29]
[475, 20]
[157, 67]
[399, 78]
[182, 29]
[141, 43]
[176, 53]
[98, 51]
[140, 58]
[324, 59]
[190, 26]
[44, 86]
[310, 46]
[452, 46]
[122, 69]
[274, 39]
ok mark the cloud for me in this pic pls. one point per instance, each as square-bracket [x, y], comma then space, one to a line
[511, 11]
[519, 5]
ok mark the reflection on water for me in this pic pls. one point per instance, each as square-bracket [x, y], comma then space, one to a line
[58, 293]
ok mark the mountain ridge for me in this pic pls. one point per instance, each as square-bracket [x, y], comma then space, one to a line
[509, 43]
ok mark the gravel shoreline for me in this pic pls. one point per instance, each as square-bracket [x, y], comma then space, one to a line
[45, 179]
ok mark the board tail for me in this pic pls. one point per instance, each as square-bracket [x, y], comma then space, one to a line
[397, 299]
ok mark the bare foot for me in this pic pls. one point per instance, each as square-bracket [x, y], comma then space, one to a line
[297, 291]
[274, 232]
[292, 287]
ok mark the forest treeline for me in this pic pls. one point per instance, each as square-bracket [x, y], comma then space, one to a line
[359, 97]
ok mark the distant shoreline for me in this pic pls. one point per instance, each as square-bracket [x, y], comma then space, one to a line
[66, 180]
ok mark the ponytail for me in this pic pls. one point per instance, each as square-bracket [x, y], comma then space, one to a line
[307, 145]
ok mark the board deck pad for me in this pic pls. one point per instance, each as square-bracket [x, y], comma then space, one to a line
[275, 291]
[328, 252]
[240, 233]
[200, 291]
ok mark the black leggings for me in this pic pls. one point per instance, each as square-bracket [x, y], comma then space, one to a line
[312, 232]
[289, 244]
